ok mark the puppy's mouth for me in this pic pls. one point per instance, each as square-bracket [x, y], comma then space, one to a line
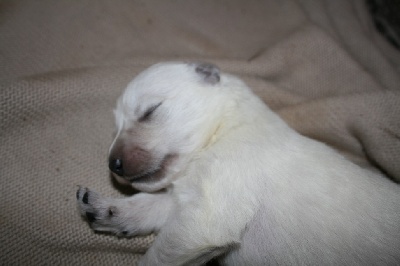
[153, 175]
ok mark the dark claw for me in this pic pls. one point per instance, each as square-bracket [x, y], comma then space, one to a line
[90, 216]
[85, 198]
[77, 194]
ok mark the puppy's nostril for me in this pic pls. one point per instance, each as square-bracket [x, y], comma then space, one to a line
[116, 166]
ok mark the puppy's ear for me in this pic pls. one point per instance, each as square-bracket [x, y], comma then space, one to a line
[209, 72]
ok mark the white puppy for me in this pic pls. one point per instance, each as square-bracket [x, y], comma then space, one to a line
[223, 176]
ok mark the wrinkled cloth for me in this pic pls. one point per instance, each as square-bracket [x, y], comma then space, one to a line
[321, 65]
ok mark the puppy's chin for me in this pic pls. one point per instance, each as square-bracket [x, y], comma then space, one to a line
[152, 186]
[121, 180]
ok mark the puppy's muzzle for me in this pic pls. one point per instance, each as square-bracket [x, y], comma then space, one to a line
[130, 161]
[116, 166]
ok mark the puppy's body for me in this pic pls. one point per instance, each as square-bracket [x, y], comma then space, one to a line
[238, 182]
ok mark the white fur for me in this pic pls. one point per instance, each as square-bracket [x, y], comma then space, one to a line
[244, 186]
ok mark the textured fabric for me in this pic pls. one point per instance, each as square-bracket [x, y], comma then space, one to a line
[320, 64]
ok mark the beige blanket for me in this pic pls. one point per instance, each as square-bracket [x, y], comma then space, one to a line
[320, 64]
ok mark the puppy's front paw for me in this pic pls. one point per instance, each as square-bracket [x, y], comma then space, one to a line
[102, 213]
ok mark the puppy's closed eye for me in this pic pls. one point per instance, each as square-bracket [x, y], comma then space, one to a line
[146, 116]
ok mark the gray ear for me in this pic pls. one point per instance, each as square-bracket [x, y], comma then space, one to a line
[208, 71]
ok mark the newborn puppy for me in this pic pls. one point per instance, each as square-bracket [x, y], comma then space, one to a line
[223, 176]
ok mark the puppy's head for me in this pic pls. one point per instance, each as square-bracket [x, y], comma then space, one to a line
[166, 114]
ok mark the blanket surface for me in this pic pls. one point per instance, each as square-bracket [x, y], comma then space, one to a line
[321, 65]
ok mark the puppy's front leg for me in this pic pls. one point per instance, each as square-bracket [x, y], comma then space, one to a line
[180, 244]
[140, 214]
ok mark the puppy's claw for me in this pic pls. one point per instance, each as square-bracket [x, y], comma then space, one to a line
[85, 198]
[91, 217]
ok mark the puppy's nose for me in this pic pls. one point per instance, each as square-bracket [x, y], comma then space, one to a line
[116, 167]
